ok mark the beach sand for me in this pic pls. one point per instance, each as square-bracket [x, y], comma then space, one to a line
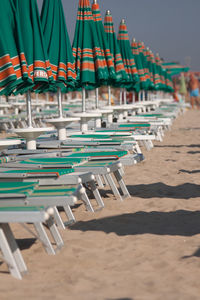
[145, 248]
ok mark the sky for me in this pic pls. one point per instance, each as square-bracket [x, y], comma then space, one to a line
[168, 27]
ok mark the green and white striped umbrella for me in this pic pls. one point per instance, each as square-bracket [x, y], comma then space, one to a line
[103, 42]
[127, 56]
[121, 75]
[58, 45]
[13, 66]
[90, 62]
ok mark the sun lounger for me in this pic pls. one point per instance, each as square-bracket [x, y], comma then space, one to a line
[8, 246]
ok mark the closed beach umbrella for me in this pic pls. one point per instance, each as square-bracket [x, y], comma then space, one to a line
[127, 56]
[33, 43]
[103, 42]
[90, 63]
[142, 80]
[144, 63]
[121, 75]
[58, 48]
[13, 65]
[37, 60]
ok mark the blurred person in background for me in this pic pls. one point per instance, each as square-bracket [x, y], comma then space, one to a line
[193, 87]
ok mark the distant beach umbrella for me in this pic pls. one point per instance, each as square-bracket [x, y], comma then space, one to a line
[175, 68]
[121, 75]
[90, 63]
[144, 63]
[141, 84]
[127, 56]
[103, 42]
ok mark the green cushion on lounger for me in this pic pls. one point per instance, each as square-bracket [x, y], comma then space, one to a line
[44, 191]
[135, 125]
[17, 187]
[90, 136]
[150, 115]
[51, 160]
[21, 208]
[57, 172]
[99, 153]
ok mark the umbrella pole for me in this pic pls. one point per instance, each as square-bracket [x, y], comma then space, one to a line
[97, 97]
[83, 100]
[59, 96]
[28, 105]
[120, 97]
[109, 95]
[133, 97]
[125, 99]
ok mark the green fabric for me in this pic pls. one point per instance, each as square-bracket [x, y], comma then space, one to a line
[135, 125]
[121, 75]
[58, 45]
[92, 136]
[99, 153]
[58, 172]
[104, 44]
[21, 208]
[96, 164]
[34, 46]
[141, 84]
[51, 191]
[128, 58]
[90, 63]
[17, 187]
[49, 161]
[13, 65]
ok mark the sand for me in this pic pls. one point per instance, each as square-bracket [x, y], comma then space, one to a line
[146, 248]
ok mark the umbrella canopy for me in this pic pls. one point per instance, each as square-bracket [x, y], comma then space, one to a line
[144, 63]
[33, 43]
[138, 61]
[121, 75]
[175, 68]
[13, 65]
[127, 56]
[103, 42]
[90, 62]
[58, 45]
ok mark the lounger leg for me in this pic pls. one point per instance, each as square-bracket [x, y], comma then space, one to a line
[105, 180]
[11, 252]
[55, 233]
[69, 214]
[44, 238]
[113, 186]
[84, 197]
[99, 181]
[58, 219]
[96, 193]
[121, 184]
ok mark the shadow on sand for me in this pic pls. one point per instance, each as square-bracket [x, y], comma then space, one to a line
[161, 190]
[189, 172]
[177, 146]
[180, 222]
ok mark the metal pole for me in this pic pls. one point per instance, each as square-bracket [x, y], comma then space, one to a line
[97, 97]
[109, 95]
[120, 96]
[28, 107]
[133, 97]
[125, 98]
[59, 97]
[47, 97]
[83, 100]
